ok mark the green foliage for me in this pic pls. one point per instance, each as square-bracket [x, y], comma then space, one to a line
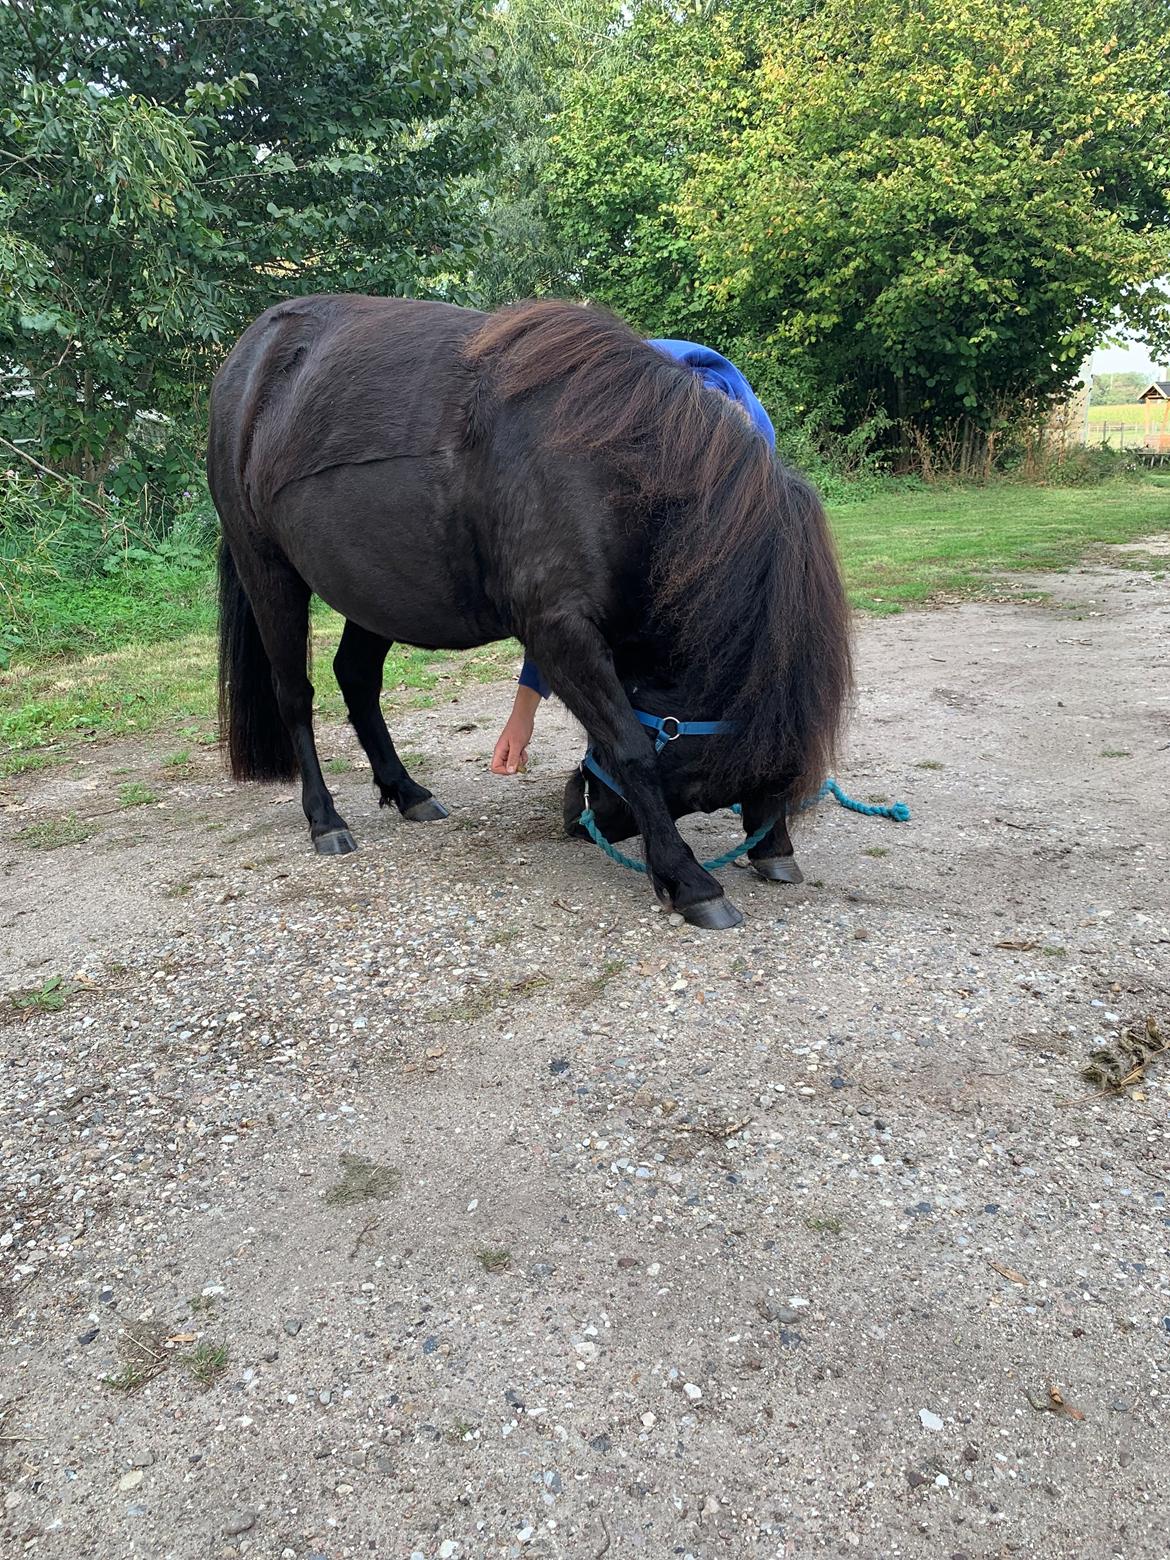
[170, 167]
[76, 577]
[537, 47]
[929, 214]
[49, 998]
[1117, 389]
[633, 124]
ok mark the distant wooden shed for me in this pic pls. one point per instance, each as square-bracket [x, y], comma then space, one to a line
[1157, 390]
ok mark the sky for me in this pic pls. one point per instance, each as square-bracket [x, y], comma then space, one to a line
[1128, 355]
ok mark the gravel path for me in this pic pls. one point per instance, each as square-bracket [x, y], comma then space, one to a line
[448, 1201]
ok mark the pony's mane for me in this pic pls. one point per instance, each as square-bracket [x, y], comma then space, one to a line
[745, 577]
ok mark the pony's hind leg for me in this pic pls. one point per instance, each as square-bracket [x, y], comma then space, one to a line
[280, 602]
[773, 858]
[358, 668]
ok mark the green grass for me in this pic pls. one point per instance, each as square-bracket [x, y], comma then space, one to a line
[52, 833]
[1129, 423]
[1123, 411]
[50, 704]
[1133, 416]
[902, 549]
[134, 652]
[823, 1225]
[132, 1375]
[100, 612]
[206, 1361]
[135, 794]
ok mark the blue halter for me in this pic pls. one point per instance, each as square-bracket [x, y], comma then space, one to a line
[668, 728]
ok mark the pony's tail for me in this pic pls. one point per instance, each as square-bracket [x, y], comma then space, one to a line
[809, 624]
[250, 728]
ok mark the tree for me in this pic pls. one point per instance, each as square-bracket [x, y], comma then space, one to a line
[170, 167]
[623, 146]
[1117, 388]
[537, 48]
[937, 210]
[943, 206]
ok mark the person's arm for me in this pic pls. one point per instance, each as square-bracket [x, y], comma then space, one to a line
[511, 750]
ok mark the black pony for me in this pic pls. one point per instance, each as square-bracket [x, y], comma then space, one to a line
[445, 478]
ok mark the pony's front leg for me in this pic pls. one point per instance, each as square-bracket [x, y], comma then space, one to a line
[773, 858]
[577, 663]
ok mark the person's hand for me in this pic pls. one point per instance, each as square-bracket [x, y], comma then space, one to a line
[511, 751]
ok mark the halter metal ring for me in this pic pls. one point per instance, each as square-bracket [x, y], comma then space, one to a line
[667, 735]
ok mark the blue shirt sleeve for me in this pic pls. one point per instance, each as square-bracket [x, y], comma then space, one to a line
[530, 677]
[720, 374]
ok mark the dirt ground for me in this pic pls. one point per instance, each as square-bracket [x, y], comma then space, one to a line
[447, 1200]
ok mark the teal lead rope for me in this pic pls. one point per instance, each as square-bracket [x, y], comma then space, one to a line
[898, 811]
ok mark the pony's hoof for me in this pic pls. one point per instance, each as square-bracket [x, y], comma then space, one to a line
[779, 869]
[338, 842]
[426, 811]
[713, 915]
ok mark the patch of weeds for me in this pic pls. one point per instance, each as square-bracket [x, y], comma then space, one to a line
[928, 763]
[200, 1304]
[339, 765]
[1116, 753]
[503, 936]
[416, 763]
[494, 1259]
[143, 1358]
[1121, 1065]
[130, 1376]
[52, 833]
[362, 1180]
[135, 794]
[1054, 951]
[25, 762]
[459, 1431]
[876, 851]
[816, 882]
[823, 1224]
[206, 1361]
[178, 761]
[593, 988]
[178, 890]
[49, 998]
[482, 1000]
